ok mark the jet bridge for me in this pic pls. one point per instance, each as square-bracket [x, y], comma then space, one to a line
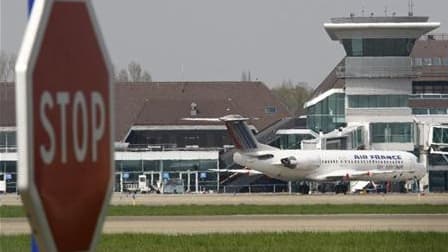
[432, 145]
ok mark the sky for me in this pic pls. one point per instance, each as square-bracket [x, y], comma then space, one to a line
[216, 40]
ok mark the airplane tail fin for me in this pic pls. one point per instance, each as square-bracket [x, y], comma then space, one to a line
[239, 132]
[242, 137]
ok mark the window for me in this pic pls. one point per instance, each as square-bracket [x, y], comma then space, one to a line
[378, 47]
[270, 109]
[427, 61]
[328, 114]
[377, 101]
[440, 135]
[357, 47]
[8, 141]
[419, 111]
[436, 61]
[445, 61]
[391, 132]
[430, 87]
[418, 62]
[437, 111]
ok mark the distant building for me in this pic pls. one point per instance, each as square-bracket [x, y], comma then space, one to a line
[388, 93]
[150, 136]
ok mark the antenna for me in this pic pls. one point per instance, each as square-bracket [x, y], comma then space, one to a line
[182, 72]
[411, 8]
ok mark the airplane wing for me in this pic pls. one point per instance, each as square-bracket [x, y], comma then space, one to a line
[343, 174]
[354, 175]
[242, 171]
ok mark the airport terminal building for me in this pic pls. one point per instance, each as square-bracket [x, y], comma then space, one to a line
[390, 92]
[152, 139]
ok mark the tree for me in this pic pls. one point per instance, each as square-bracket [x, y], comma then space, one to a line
[7, 64]
[293, 96]
[123, 76]
[133, 73]
[146, 77]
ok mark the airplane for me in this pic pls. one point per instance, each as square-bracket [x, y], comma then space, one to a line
[315, 165]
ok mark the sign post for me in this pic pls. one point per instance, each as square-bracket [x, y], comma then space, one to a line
[64, 98]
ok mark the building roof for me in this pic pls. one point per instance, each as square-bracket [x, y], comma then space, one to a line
[433, 45]
[379, 27]
[7, 105]
[380, 19]
[330, 82]
[166, 103]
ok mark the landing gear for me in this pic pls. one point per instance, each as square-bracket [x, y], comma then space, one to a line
[304, 188]
[341, 188]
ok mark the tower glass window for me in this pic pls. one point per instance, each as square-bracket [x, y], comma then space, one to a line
[378, 47]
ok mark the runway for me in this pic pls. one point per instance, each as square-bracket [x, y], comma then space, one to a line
[263, 199]
[257, 223]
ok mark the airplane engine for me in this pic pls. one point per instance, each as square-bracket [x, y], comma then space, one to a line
[289, 162]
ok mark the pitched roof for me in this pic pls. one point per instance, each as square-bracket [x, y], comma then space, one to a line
[431, 48]
[166, 103]
[330, 82]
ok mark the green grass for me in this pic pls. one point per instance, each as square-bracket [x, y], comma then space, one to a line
[260, 242]
[142, 210]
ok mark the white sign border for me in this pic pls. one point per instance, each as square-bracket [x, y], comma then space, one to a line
[25, 65]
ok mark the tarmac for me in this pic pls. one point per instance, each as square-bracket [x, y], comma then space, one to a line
[257, 223]
[263, 199]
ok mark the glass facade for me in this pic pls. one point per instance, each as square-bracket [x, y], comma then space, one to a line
[377, 101]
[328, 114]
[8, 171]
[291, 141]
[429, 111]
[129, 170]
[438, 181]
[392, 132]
[440, 135]
[430, 87]
[357, 139]
[178, 138]
[8, 142]
[378, 47]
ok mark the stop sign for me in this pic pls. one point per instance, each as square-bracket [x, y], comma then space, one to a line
[64, 99]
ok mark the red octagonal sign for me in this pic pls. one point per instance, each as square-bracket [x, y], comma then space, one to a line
[64, 125]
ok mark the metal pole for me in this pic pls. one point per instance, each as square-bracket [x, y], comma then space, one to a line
[197, 181]
[188, 180]
[34, 247]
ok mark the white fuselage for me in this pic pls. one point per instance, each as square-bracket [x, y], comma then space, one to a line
[333, 165]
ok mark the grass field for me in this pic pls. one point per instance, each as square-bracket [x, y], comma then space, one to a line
[284, 242]
[141, 210]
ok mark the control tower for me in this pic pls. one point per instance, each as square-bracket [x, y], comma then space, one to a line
[376, 76]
